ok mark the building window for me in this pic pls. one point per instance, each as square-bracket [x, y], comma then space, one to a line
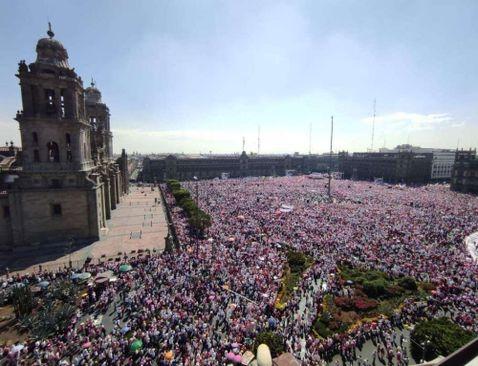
[62, 103]
[50, 100]
[53, 152]
[56, 209]
[35, 138]
[6, 212]
[68, 139]
[36, 156]
[55, 183]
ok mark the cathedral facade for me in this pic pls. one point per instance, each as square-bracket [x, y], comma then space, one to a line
[69, 181]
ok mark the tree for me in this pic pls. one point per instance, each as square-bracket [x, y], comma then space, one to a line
[432, 338]
[200, 220]
[180, 194]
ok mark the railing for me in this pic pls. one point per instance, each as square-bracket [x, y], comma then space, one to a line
[461, 356]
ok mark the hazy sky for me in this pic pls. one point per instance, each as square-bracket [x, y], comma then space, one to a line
[196, 76]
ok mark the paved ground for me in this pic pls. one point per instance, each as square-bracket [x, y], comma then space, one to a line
[139, 222]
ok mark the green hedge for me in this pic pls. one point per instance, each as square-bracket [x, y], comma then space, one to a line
[443, 336]
[408, 283]
[375, 288]
[198, 219]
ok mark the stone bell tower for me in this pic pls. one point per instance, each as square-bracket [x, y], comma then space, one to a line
[53, 125]
[56, 196]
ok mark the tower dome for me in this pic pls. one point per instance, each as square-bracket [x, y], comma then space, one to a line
[92, 94]
[51, 51]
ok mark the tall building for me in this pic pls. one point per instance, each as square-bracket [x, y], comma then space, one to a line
[465, 172]
[393, 167]
[185, 167]
[69, 181]
[442, 163]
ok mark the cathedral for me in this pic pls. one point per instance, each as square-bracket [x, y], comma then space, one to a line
[69, 182]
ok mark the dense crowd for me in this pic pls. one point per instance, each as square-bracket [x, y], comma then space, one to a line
[195, 306]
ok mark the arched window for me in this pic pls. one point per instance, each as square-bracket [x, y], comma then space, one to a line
[36, 156]
[53, 152]
[35, 138]
[68, 139]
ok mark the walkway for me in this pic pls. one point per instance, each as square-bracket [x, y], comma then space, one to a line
[139, 222]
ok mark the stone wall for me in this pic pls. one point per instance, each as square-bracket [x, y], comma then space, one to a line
[35, 221]
[6, 238]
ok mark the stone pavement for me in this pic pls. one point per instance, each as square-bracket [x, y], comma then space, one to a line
[139, 222]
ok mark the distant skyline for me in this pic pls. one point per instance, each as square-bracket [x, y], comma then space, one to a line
[198, 76]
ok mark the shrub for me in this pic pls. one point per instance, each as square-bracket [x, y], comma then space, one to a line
[322, 329]
[408, 283]
[375, 288]
[443, 337]
[297, 261]
[51, 319]
[344, 302]
[273, 340]
[23, 301]
[364, 304]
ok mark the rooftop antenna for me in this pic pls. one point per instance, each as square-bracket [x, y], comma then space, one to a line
[243, 143]
[330, 157]
[50, 32]
[92, 82]
[373, 121]
[258, 139]
[310, 138]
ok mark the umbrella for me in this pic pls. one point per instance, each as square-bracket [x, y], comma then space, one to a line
[286, 359]
[101, 279]
[125, 268]
[106, 274]
[168, 355]
[44, 284]
[231, 356]
[17, 348]
[237, 358]
[247, 357]
[81, 276]
[136, 345]
[35, 289]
